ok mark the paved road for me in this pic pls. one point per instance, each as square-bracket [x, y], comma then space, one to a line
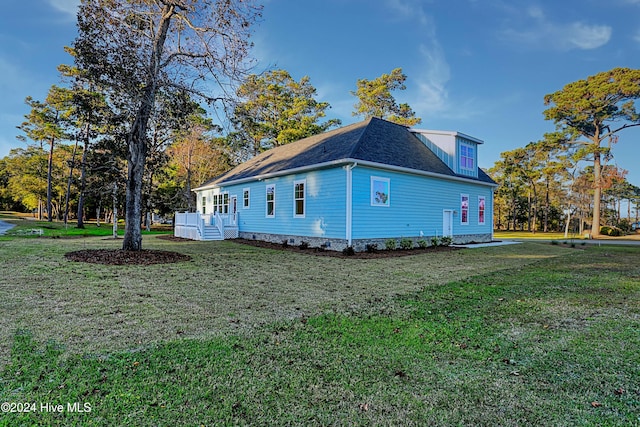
[4, 226]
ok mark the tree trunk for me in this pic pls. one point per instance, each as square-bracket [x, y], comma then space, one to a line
[49, 183]
[529, 211]
[597, 194]
[188, 184]
[83, 180]
[115, 210]
[98, 213]
[133, 209]
[137, 143]
[546, 207]
[566, 226]
[69, 179]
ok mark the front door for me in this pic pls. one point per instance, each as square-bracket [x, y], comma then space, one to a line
[233, 214]
[447, 223]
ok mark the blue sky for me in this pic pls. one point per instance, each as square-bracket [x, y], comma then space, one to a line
[481, 67]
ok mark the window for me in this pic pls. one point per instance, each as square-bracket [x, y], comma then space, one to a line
[204, 205]
[271, 201]
[299, 198]
[464, 209]
[481, 202]
[245, 198]
[221, 203]
[467, 157]
[380, 191]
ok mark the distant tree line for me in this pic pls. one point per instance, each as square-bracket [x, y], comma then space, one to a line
[565, 181]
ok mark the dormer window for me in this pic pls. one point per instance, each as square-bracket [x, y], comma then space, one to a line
[467, 157]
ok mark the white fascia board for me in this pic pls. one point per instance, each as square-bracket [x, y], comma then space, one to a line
[446, 132]
[339, 163]
[422, 173]
[274, 174]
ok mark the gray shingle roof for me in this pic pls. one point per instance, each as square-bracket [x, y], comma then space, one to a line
[373, 140]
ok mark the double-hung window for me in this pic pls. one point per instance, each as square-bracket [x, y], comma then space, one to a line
[245, 198]
[481, 203]
[299, 198]
[271, 201]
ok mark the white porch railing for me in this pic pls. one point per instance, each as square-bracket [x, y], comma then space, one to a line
[196, 226]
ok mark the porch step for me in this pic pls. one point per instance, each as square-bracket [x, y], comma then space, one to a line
[211, 233]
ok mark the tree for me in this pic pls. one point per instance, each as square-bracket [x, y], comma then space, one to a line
[274, 109]
[135, 48]
[90, 114]
[45, 123]
[375, 99]
[590, 113]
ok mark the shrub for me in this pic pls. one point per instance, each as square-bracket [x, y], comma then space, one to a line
[390, 244]
[435, 241]
[610, 231]
[285, 243]
[422, 244]
[554, 242]
[304, 245]
[446, 241]
[371, 247]
[348, 251]
[406, 243]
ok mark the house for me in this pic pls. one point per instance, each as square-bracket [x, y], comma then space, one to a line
[361, 184]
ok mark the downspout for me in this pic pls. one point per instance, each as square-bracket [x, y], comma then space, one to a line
[492, 212]
[349, 224]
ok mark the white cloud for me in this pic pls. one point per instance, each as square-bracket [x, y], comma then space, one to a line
[544, 33]
[432, 83]
[408, 9]
[432, 95]
[69, 7]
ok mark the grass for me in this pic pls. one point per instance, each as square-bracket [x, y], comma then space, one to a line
[498, 235]
[537, 235]
[529, 334]
[25, 223]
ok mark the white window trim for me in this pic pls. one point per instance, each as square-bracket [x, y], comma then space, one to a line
[304, 198]
[468, 209]
[485, 210]
[266, 204]
[372, 200]
[248, 190]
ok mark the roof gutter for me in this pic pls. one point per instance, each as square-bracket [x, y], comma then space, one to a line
[341, 162]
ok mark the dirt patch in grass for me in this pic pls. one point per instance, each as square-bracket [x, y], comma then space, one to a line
[356, 255]
[173, 238]
[121, 257]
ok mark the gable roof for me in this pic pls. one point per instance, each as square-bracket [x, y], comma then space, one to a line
[373, 140]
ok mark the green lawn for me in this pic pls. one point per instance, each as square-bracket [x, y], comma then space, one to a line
[530, 334]
[28, 226]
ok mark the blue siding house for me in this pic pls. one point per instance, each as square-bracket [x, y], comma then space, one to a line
[364, 183]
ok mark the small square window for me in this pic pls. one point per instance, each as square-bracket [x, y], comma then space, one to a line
[380, 191]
